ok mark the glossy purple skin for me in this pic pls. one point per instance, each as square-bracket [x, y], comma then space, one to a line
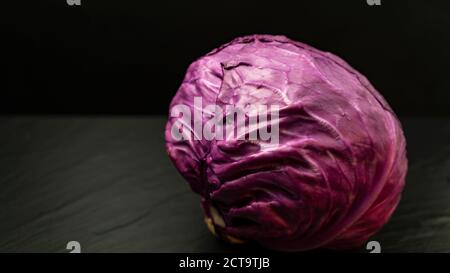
[339, 170]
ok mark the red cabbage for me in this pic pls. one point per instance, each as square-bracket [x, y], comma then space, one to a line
[338, 171]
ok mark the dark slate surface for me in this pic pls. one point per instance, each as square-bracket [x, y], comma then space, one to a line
[107, 183]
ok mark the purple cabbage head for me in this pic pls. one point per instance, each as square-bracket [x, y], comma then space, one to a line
[338, 171]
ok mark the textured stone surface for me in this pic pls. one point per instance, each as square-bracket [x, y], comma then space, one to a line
[107, 183]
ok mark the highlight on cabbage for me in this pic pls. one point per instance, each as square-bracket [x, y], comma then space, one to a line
[338, 171]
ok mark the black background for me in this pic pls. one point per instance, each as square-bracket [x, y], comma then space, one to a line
[128, 57]
[107, 181]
